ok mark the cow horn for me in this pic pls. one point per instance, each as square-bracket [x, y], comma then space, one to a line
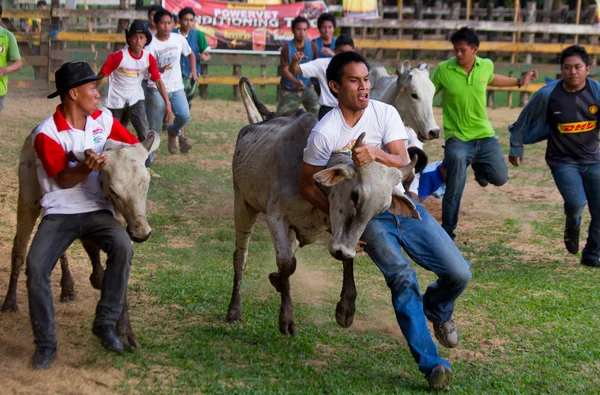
[151, 142]
[359, 142]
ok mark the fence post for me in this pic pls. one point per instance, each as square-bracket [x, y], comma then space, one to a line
[122, 24]
[263, 74]
[593, 19]
[400, 7]
[529, 38]
[237, 72]
[203, 88]
[491, 36]
[417, 34]
[510, 94]
[55, 46]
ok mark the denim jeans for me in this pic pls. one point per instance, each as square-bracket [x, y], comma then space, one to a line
[54, 235]
[578, 183]
[155, 110]
[2, 103]
[485, 156]
[426, 243]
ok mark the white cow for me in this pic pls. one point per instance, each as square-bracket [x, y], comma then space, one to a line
[411, 92]
[266, 170]
[124, 181]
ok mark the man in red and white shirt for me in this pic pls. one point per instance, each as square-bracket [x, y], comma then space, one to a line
[125, 70]
[74, 207]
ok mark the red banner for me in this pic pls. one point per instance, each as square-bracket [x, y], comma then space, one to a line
[254, 27]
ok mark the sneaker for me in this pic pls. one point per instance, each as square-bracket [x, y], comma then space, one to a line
[590, 262]
[42, 358]
[184, 145]
[152, 173]
[571, 239]
[172, 145]
[439, 379]
[446, 333]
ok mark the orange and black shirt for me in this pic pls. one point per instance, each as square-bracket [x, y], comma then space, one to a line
[573, 119]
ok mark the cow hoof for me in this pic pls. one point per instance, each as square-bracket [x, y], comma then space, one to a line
[233, 315]
[275, 280]
[96, 279]
[287, 328]
[344, 313]
[128, 338]
[10, 307]
[67, 296]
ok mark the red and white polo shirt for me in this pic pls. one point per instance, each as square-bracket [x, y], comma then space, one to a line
[125, 74]
[56, 144]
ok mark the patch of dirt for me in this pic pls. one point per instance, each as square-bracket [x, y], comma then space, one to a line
[467, 355]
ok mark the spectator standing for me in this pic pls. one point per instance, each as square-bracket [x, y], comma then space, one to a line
[10, 60]
[325, 42]
[34, 25]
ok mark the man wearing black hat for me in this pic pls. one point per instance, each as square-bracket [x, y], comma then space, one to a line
[125, 70]
[74, 207]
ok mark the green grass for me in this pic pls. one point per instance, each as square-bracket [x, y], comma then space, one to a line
[527, 321]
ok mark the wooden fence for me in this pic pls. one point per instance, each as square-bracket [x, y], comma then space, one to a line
[515, 38]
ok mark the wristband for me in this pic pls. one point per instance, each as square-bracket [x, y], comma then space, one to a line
[519, 82]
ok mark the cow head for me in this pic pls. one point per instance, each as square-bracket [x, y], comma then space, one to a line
[357, 194]
[414, 100]
[125, 182]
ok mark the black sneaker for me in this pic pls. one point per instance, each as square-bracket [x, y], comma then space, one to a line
[481, 181]
[571, 239]
[590, 262]
[439, 379]
[109, 338]
[42, 358]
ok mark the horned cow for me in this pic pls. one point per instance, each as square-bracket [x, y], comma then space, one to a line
[266, 169]
[125, 182]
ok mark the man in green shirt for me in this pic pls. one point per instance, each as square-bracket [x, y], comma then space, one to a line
[10, 60]
[470, 137]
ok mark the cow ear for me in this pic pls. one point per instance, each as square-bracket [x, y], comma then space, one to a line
[423, 66]
[152, 142]
[403, 206]
[333, 175]
[404, 70]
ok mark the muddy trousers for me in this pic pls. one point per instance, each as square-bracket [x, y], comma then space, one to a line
[426, 243]
[54, 235]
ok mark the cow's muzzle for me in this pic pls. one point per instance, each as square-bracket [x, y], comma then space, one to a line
[137, 238]
[433, 134]
[341, 253]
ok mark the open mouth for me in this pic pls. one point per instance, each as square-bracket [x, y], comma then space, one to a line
[364, 97]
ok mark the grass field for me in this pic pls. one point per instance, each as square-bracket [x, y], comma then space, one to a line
[527, 321]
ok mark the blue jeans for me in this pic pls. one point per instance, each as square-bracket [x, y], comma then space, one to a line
[485, 156]
[155, 111]
[578, 183]
[429, 246]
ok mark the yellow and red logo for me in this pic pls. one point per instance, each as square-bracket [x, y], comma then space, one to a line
[593, 110]
[577, 127]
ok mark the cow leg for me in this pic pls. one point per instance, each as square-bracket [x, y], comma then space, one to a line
[345, 309]
[284, 240]
[67, 286]
[27, 214]
[244, 218]
[126, 334]
[97, 270]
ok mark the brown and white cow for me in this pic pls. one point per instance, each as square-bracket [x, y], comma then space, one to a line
[125, 182]
[266, 170]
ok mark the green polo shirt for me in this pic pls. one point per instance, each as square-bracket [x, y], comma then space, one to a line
[9, 52]
[464, 109]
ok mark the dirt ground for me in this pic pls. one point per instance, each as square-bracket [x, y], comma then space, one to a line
[83, 366]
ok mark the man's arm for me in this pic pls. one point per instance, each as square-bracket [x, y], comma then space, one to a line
[503, 81]
[192, 59]
[14, 66]
[70, 177]
[160, 85]
[309, 190]
[294, 67]
[284, 66]
[396, 155]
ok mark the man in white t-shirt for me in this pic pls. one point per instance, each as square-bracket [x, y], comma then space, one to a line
[74, 207]
[318, 69]
[423, 240]
[168, 48]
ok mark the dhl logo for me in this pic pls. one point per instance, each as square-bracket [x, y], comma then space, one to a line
[577, 127]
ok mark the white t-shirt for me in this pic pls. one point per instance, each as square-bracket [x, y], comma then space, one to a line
[318, 69]
[56, 146]
[331, 134]
[170, 52]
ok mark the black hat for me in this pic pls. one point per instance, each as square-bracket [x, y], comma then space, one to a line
[138, 27]
[71, 75]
